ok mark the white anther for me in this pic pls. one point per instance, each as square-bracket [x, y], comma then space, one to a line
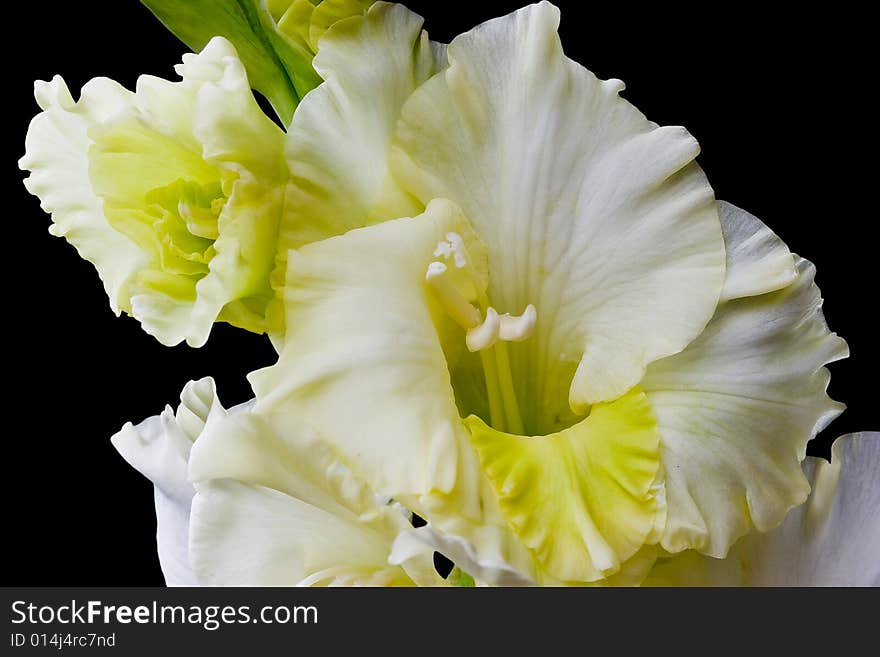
[453, 248]
[517, 329]
[443, 250]
[435, 270]
[457, 249]
[486, 334]
[453, 301]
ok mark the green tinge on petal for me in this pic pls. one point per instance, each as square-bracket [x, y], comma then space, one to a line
[290, 31]
[692, 569]
[276, 39]
[584, 499]
[237, 289]
[147, 180]
[292, 17]
[330, 12]
[304, 22]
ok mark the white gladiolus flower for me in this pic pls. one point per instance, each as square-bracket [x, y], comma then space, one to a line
[553, 358]
[503, 299]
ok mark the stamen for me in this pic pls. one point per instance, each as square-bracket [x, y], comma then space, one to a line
[501, 327]
[462, 312]
[493, 392]
[443, 250]
[508, 393]
[489, 336]
[486, 334]
[457, 249]
[517, 329]
[453, 247]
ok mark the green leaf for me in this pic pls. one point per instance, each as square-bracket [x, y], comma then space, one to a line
[243, 23]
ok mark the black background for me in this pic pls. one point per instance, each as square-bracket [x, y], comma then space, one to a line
[777, 102]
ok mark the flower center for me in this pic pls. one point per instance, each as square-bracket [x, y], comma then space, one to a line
[486, 331]
[184, 217]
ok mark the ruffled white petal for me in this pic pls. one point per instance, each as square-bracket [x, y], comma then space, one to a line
[159, 448]
[757, 260]
[282, 509]
[590, 212]
[57, 146]
[831, 540]
[172, 538]
[737, 407]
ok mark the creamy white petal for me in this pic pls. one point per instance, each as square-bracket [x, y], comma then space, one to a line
[172, 538]
[831, 540]
[159, 448]
[363, 360]
[757, 260]
[736, 409]
[338, 142]
[590, 212]
[283, 509]
[57, 146]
